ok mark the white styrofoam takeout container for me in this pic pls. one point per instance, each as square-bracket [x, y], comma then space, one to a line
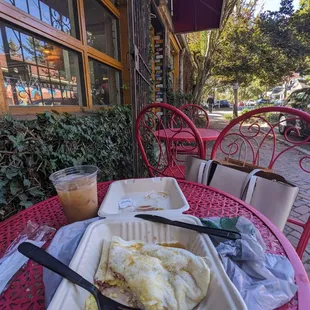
[221, 295]
[137, 190]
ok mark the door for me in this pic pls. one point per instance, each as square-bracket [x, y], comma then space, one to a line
[139, 49]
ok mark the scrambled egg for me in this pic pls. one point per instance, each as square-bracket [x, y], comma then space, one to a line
[155, 277]
[91, 303]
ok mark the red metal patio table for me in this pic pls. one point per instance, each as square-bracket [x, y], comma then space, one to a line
[185, 134]
[27, 289]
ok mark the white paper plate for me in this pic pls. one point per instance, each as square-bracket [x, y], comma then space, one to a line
[162, 193]
[222, 294]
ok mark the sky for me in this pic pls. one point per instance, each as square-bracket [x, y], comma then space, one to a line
[273, 5]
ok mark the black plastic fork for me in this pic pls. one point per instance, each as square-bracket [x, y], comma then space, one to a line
[50, 262]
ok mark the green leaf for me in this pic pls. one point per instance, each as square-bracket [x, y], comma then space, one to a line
[11, 172]
[3, 183]
[15, 188]
[35, 192]
[18, 141]
[26, 182]
[22, 197]
[2, 199]
[26, 204]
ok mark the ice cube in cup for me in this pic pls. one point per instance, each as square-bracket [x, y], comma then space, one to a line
[77, 191]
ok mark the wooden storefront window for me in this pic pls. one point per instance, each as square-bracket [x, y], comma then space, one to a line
[58, 14]
[59, 55]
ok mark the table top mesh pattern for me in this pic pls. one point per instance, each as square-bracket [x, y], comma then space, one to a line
[27, 289]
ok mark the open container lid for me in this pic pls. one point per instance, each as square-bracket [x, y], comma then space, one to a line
[151, 196]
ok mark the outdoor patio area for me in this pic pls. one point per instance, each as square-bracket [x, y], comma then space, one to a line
[154, 154]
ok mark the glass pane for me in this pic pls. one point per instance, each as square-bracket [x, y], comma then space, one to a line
[37, 72]
[21, 4]
[58, 13]
[105, 84]
[102, 28]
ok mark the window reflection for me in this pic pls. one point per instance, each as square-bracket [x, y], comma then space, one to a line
[105, 84]
[102, 28]
[37, 72]
[57, 13]
[21, 4]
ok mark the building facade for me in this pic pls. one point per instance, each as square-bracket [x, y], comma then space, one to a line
[73, 55]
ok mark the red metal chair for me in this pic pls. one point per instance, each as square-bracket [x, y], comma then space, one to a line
[160, 135]
[260, 138]
[197, 114]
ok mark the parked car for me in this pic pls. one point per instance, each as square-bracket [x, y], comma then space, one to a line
[299, 99]
[241, 104]
[280, 102]
[221, 104]
[250, 103]
[262, 101]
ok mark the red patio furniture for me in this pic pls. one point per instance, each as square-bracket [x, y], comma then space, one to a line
[200, 118]
[197, 114]
[26, 291]
[163, 145]
[193, 111]
[260, 138]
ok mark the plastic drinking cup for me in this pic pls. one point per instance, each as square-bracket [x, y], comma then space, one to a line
[77, 191]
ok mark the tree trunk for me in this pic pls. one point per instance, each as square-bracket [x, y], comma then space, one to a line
[235, 107]
[198, 87]
[204, 63]
[285, 90]
[203, 75]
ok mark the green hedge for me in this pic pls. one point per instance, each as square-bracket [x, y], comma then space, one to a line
[31, 150]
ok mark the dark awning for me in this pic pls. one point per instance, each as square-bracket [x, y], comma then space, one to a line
[196, 15]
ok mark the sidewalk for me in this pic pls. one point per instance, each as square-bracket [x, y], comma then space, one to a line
[286, 166]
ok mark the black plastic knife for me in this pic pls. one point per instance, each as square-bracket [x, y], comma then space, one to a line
[226, 234]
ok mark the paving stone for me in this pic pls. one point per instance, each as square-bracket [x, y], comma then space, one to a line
[287, 230]
[304, 217]
[295, 227]
[304, 196]
[302, 209]
[293, 240]
[308, 248]
[307, 268]
[299, 203]
[296, 234]
[294, 214]
[306, 258]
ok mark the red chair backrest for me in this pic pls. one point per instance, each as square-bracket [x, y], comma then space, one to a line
[254, 139]
[197, 114]
[160, 138]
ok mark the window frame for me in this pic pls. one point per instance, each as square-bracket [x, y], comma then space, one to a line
[19, 18]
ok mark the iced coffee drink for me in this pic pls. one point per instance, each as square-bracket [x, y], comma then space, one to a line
[77, 191]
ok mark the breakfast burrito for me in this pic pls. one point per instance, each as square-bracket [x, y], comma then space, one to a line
[153, 277]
